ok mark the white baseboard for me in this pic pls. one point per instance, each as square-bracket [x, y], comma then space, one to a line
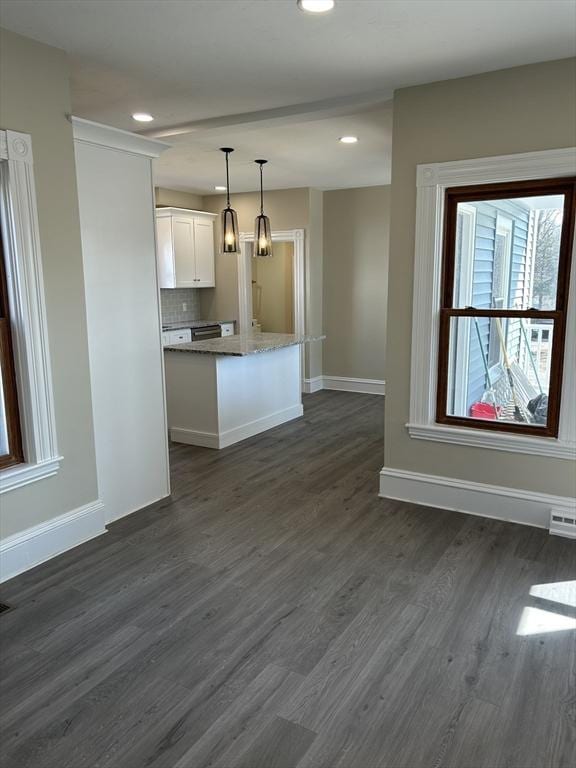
[350, 384]
[510, 504]
[232, 436]
[345, 384]
[25, 550]
[194, 437]
[313, 385]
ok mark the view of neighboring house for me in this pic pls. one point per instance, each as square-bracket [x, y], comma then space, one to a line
[506, 249]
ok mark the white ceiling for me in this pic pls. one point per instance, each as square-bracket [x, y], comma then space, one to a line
[300, 154]
[309, 78]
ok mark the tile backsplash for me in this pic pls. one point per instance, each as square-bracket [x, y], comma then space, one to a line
[172, 299]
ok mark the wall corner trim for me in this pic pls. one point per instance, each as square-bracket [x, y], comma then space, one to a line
[33, 546]
[498, 502]
[313, 385]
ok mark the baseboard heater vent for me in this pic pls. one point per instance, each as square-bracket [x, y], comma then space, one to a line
[563, 523]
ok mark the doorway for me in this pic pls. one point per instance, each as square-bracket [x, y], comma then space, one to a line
[271, 290]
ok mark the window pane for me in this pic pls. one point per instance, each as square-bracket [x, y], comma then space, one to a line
[499, 369]
[507, 252]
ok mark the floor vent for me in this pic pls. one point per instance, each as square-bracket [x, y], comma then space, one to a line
[563, 523]
[4, 607]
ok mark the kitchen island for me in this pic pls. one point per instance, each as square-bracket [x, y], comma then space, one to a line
[224, 390]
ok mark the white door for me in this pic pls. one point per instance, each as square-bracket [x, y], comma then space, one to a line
[204, 250]
[184, 260]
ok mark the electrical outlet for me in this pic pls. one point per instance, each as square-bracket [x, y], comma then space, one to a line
[184, 306]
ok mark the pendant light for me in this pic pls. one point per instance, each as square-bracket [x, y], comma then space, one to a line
[262, 232]
[229, 217]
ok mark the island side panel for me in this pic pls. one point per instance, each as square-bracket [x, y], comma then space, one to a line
[191, 395]
[257, 392]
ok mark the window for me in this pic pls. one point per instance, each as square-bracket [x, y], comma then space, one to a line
[10, 434]
[28, 444]
[504, 295]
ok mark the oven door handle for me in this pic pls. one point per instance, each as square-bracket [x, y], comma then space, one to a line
[212, 333]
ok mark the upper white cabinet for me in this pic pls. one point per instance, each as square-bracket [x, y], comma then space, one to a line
[185, 248]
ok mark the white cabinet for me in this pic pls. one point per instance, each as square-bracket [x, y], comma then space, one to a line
[185, 248]
[204, 250]
[181, 336]
[227, 329]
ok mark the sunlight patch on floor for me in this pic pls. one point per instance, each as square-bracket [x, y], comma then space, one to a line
[563, 592]
[535, 621]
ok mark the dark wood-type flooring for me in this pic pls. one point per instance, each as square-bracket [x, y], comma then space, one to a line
[276, 613]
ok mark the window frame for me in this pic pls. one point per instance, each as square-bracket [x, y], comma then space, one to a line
[15, 454]
[460, 366]
[432, 180]
[510, 190]
[26, 301]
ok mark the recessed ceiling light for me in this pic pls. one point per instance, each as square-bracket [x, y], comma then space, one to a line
[142, 117]
[348, 139]
[315, 6]
[220, 189]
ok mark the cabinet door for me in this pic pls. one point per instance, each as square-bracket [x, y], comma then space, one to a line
[204, 247]
[227, 329]
[184, 259]
[181, 337]
[165, 253]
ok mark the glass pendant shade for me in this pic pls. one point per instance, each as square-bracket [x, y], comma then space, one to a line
[262, 237]
[229, 217]
[262, 231]
[230, 231]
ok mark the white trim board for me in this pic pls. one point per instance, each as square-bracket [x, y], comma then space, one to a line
[345, 384]
[352, 384]
[309, 386]
[432, 180]
[29, 548]
[232, 436]
[493, 501]
[19, 216]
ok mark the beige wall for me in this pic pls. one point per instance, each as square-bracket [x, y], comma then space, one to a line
[515, 110]
[356, 231]
[273, 290]
[34, 98]
[287, 209]
[176, 199]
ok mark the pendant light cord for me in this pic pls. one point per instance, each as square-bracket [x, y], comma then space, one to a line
[261, 192]
[227, 182]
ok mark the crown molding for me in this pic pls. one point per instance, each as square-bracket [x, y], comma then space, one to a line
[89, 132]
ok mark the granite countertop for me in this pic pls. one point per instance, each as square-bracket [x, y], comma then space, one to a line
[244, 344]
[193, 324]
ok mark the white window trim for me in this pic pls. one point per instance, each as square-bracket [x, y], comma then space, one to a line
[27, 305]
[432, 182]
